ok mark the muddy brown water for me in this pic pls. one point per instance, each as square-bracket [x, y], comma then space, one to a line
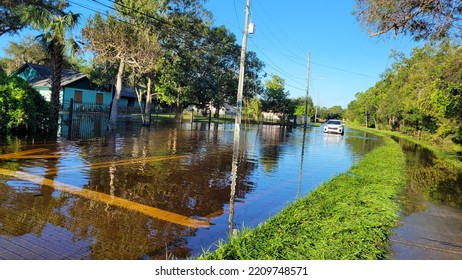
[158, 193]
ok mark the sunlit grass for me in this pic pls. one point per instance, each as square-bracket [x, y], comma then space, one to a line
[446, 152]
[349, 217]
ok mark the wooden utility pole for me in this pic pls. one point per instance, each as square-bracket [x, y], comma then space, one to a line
[307, 89]
[240, 88]
[316, 108]
[237, 126]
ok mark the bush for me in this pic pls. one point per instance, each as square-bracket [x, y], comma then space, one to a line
[23, 111]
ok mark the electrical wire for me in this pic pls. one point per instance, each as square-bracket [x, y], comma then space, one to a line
[268, 15]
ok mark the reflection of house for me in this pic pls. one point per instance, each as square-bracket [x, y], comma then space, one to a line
[74, 85]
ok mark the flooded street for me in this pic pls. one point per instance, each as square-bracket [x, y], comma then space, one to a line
[158, 193]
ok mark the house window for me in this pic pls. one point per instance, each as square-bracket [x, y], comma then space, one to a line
[99, 99]
[131, 102]
[78, 96]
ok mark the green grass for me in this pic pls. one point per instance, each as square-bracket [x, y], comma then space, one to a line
[448, 153]
[349, 217]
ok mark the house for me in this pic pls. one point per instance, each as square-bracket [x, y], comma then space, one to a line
[86, 94]
[76, 85]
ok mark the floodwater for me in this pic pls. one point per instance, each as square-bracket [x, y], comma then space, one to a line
[431, 208]
[430, 179]
[165, 192]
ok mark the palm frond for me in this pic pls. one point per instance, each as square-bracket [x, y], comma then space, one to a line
[37, 17]
[73, 46]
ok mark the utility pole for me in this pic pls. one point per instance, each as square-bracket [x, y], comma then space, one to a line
[237, 126]
[317, 105]
[307, 89]
[240, 88]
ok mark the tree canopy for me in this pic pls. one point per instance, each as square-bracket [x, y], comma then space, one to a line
[275, 98]
[11, 12]
[420, 95]
[55, 42]
[422, 19]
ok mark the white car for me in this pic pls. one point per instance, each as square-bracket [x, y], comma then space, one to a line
[334, 126]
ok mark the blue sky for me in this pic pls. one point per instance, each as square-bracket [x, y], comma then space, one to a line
[344, 59]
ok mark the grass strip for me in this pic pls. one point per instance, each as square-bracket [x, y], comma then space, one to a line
[349, 217]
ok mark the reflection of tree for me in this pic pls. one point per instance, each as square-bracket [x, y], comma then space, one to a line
[195, 185]
[429, 176]
[362, 143]
[123, 234]
[440, 181]
[27, 207]
[23, 212]
[271, 139]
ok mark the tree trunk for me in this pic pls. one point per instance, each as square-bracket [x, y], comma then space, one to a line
[116, 98]
[147, 109]
[139, 96]
[217, 110]
[367, 124]
[57, 66]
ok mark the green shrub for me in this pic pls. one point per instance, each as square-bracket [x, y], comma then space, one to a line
[23, 111]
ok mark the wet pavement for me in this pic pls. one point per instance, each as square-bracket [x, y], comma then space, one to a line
[434, 234]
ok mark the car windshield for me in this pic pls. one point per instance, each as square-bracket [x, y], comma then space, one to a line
[334, 122]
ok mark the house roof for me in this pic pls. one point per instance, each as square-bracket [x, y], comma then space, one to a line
[43, 75]
[128, 92]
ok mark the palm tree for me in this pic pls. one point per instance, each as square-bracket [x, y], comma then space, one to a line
[54, 26]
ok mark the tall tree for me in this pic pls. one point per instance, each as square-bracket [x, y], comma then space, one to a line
[55, 42]
[28, 50]
[215, 80]
[10, 12]
[275, 98]
[184, 25]
[422, 19]
[143, 13]
[111, 41]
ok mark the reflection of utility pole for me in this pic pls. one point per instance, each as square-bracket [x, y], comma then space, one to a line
[307, 89]
[301, 164]
[237, 126]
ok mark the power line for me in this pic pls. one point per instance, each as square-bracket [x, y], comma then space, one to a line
[272, 37]
[237, 17]
[280, 70]
[344, 70]
[297, 60]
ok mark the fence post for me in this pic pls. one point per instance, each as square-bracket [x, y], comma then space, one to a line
[70, 116]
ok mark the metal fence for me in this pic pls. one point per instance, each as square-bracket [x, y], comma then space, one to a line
[83, 120]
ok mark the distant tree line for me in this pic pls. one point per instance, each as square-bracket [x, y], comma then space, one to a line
[420, 95]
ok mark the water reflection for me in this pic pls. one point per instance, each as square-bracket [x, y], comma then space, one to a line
[302, 157]
[429, 178]
[194, 170]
